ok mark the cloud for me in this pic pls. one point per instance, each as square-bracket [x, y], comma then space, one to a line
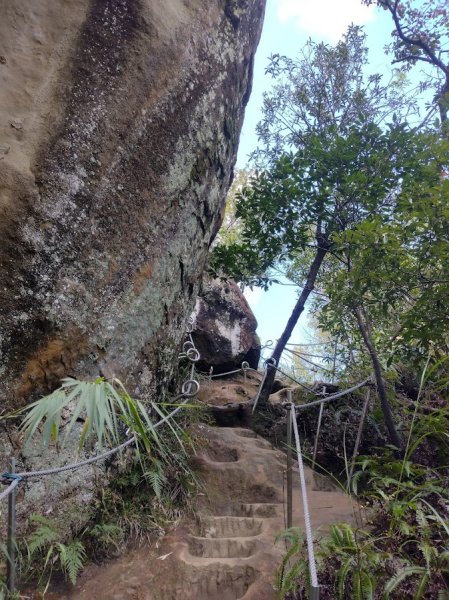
[324, 19]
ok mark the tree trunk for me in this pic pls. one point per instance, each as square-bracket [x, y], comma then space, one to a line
[443, 107]
[380, 383]
[294, 317]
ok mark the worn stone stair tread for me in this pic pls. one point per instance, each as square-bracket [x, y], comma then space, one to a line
[225, 525]
[203, 561]
[227, 537]
[229, 547]
[263, 509]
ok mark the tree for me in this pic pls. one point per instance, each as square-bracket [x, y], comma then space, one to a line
[325, 88]
[421, 35]
[395, 277]
[327, 162]
[307, 198]
[397, 268]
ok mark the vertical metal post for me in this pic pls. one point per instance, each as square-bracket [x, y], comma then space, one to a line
[359, 437]
[289, 461]
[315, 595]
[11, 543]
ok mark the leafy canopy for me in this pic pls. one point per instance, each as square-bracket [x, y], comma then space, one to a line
[337, 179]
[325, 89]
[421, 36]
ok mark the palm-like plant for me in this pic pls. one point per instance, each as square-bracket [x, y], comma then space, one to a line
[294, 566]
[103, 406]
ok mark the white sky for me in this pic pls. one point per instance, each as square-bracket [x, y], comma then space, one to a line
[325, 19]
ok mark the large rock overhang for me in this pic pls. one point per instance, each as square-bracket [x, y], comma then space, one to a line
[119, 134]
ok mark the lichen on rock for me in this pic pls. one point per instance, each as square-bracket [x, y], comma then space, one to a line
[119, 132]
[114, 184]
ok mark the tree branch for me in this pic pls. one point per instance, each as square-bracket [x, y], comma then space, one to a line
[413, 41]
[413, 57]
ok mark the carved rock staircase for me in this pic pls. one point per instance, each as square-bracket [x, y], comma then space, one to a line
[228, 553]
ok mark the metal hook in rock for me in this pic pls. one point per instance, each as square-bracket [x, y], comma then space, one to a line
[186, 389]
[193, 354]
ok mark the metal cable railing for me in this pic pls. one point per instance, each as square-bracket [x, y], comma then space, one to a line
[315, 590]
[189, 389]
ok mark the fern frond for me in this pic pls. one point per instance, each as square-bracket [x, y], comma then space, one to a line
[393, 583]
[422, 586]
[45, 535]
[72, 557]
[356, 586]
[341, 576]
[157, 481]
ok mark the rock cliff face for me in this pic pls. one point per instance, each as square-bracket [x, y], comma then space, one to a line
[119, 124]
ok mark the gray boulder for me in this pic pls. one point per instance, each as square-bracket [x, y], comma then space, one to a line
[224, 328]
[121, 121]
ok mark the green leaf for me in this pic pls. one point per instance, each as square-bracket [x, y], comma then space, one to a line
[403, 574]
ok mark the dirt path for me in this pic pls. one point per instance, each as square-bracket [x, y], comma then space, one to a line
[228, 553]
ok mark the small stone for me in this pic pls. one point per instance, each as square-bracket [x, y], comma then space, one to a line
[17, 124]
[2, 59]
[4, 149]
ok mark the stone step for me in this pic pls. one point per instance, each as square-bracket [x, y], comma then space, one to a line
[263, 510]
[218, 453]
[231, 547]
[212, 581]
[229, 526]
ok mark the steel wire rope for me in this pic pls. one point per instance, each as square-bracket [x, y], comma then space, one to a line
[305, 504]
[227, 373]
[300, 354]
[245, 367]
[311, 344]
[10, 488]
[303, 385]
[186, 392]
[335, 396]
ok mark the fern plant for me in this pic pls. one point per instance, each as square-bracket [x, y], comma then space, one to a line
[294, 568]
[105, 537]
[156, 478]
[46, 546]
[357, 561]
